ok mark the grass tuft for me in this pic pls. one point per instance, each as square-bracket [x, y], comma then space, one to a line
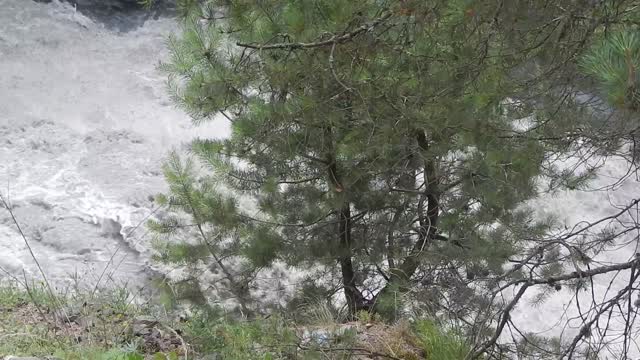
[440, 344]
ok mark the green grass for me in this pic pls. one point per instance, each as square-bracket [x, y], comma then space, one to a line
[213, 333]
[35, 322]
[29, 327]
[439, 344]
[12, 295]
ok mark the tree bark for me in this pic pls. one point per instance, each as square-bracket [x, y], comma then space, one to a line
[352, 295]
[428, 223]
[355, 300]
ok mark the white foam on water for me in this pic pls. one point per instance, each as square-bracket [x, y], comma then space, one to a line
[558, 315]
[85, 122]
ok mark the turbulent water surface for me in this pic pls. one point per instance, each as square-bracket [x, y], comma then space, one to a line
[85, 122]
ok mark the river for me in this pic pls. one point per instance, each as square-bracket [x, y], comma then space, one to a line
[85, 122]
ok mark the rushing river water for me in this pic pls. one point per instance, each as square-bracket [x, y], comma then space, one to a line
[85, 122]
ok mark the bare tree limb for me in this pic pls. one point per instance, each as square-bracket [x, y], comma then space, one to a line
[336, 39]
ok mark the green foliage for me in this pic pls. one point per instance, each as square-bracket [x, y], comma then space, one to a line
[170, 356]
[208, 332]
[208, 220]
[27, 314]
[388, 146]
[278, 338]
[12, 295]
[439, 344]
[614, 62]
[113, 354]
[212, 333]
[343, 147]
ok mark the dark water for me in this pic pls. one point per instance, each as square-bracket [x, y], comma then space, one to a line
[120, 15]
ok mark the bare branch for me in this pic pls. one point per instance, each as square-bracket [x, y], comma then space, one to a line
[336, 39]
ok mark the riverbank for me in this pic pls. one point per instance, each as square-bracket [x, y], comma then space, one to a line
[115, 325]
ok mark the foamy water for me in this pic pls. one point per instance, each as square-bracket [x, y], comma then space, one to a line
[559, 314]
[84, 125]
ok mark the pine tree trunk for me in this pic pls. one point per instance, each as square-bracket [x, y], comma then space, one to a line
[352, 295]
[428, 226]
[428, 221]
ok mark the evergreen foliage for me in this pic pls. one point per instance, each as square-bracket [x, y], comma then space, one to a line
[614, 63]
[364, 151]
[391, 144]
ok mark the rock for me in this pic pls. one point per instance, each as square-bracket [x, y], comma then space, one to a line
[143, 325]
[324, 336]
[69, 313]
[110, 228]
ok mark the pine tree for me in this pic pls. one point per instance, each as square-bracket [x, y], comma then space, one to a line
[375, 138]
[614, 62]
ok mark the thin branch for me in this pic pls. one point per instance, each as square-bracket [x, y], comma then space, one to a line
[333, 40]
[576, 274]
[332, 65]
[506, 315]
[585, 329]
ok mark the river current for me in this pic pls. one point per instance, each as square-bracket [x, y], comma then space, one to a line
[85, 122]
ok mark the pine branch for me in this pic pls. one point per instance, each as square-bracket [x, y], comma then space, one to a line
[336, 39]
[505, 316]
[580, 274]
[279, 224]
[586, 328]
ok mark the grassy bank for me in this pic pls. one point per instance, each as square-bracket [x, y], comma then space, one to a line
[110, 326]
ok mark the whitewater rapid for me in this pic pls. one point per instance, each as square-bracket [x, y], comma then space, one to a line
[85, 122]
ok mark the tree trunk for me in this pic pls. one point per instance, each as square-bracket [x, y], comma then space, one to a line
[428, 224]
[351, 293]
[355, 300]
